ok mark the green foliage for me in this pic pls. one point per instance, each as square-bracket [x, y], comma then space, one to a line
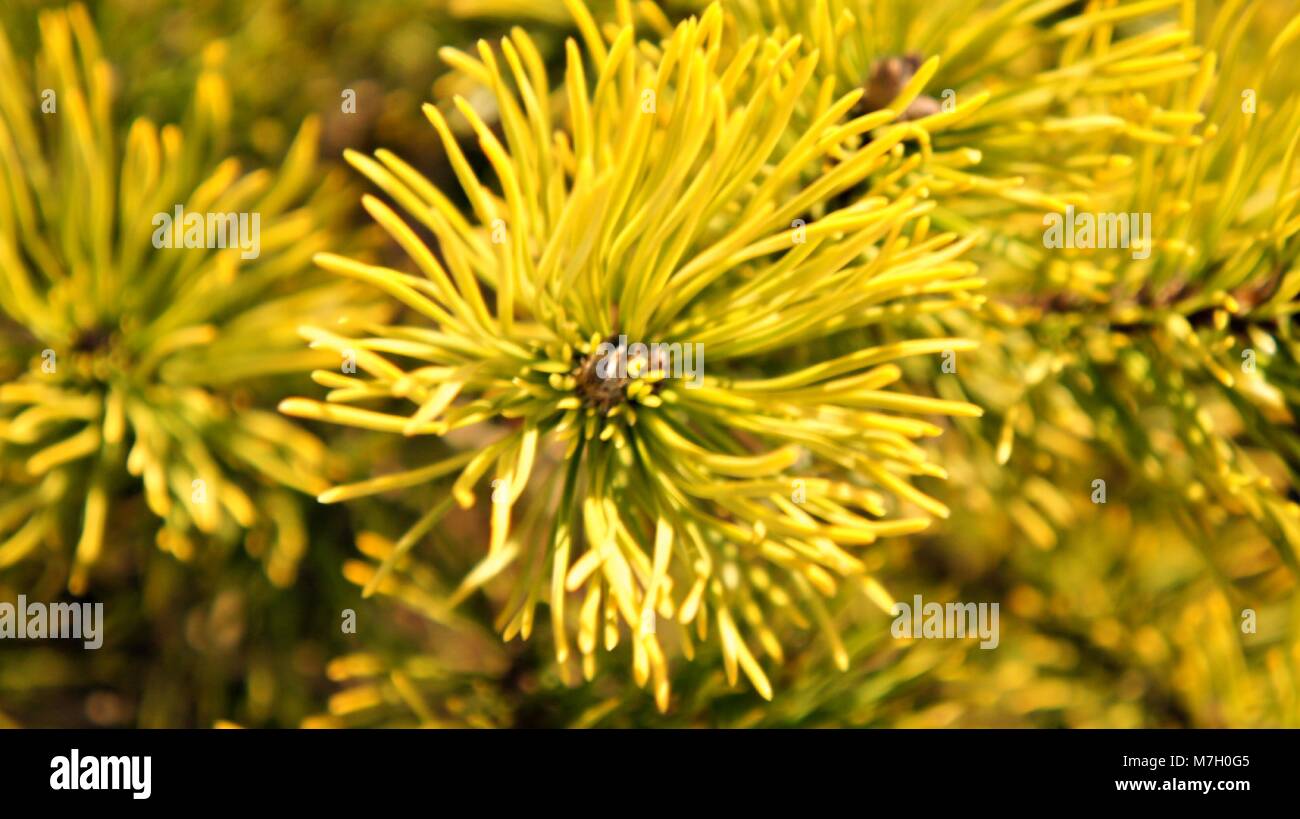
[907, 387]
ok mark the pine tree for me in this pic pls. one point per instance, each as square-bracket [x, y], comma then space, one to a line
[993, 302]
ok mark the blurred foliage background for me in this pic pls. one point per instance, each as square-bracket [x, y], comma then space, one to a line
[1122, 614]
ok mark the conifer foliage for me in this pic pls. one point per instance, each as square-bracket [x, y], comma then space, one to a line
[677, 354]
